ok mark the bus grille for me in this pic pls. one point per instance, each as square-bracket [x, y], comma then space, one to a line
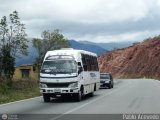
[57, 85]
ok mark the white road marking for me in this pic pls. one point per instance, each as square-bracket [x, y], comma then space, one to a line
[74, 109]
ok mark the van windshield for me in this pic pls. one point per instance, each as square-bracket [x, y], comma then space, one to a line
[59, 67]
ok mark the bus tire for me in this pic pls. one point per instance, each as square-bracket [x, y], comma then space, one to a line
[78, 96]
[46, 97]
[91, 94]
[95, 87]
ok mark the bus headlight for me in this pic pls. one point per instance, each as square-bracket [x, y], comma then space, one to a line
[42, 85]
[73, 85]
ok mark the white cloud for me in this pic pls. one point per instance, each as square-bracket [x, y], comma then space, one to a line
[110, 38]
[90, 11]
[88, 19]
[124, 37]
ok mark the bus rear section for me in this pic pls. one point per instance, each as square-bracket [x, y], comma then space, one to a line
[69, 73]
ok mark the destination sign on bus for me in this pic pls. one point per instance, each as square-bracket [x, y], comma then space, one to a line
[59, 57]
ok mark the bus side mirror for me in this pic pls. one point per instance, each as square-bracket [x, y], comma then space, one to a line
[79, 69]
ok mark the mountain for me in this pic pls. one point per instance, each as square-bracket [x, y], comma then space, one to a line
[30, 59]
[137, 61]
[88, 47]
[109, 46]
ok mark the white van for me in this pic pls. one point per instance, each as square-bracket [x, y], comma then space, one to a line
[69, 72]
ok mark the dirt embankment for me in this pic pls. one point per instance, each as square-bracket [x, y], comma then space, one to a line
[137, 61]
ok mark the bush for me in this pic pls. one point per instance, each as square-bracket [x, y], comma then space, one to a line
[22, 89]
[24, 84]
[4, 89]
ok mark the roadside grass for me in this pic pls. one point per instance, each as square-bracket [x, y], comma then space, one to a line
[18, 91]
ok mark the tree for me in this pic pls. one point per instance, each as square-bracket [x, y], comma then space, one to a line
[7, 63]
[49, 41]
[13, 42]
[12, 32]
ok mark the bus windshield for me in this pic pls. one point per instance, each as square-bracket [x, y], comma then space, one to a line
[59, 67]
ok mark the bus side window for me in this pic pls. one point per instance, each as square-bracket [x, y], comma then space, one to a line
[85, 67]
[80, 69]
[84, 62]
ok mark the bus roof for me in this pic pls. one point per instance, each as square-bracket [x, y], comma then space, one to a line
[69, 51]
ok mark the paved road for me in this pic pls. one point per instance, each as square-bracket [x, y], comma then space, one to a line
[127, 96]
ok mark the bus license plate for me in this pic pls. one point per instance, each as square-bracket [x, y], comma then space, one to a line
[57, 90]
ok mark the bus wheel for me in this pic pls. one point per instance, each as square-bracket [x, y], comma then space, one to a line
[95, 87]
[91, 94]
[46, 98]
[78, 96]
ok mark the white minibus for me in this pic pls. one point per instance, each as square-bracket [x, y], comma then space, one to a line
[69, 72]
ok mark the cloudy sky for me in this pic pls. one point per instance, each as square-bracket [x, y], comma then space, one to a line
[91, 20]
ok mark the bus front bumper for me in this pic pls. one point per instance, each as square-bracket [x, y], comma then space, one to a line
[59, 90]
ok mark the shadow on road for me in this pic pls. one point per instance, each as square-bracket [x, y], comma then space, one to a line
[71, 99]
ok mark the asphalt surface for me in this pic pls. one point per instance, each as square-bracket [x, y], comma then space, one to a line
[130, 96]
